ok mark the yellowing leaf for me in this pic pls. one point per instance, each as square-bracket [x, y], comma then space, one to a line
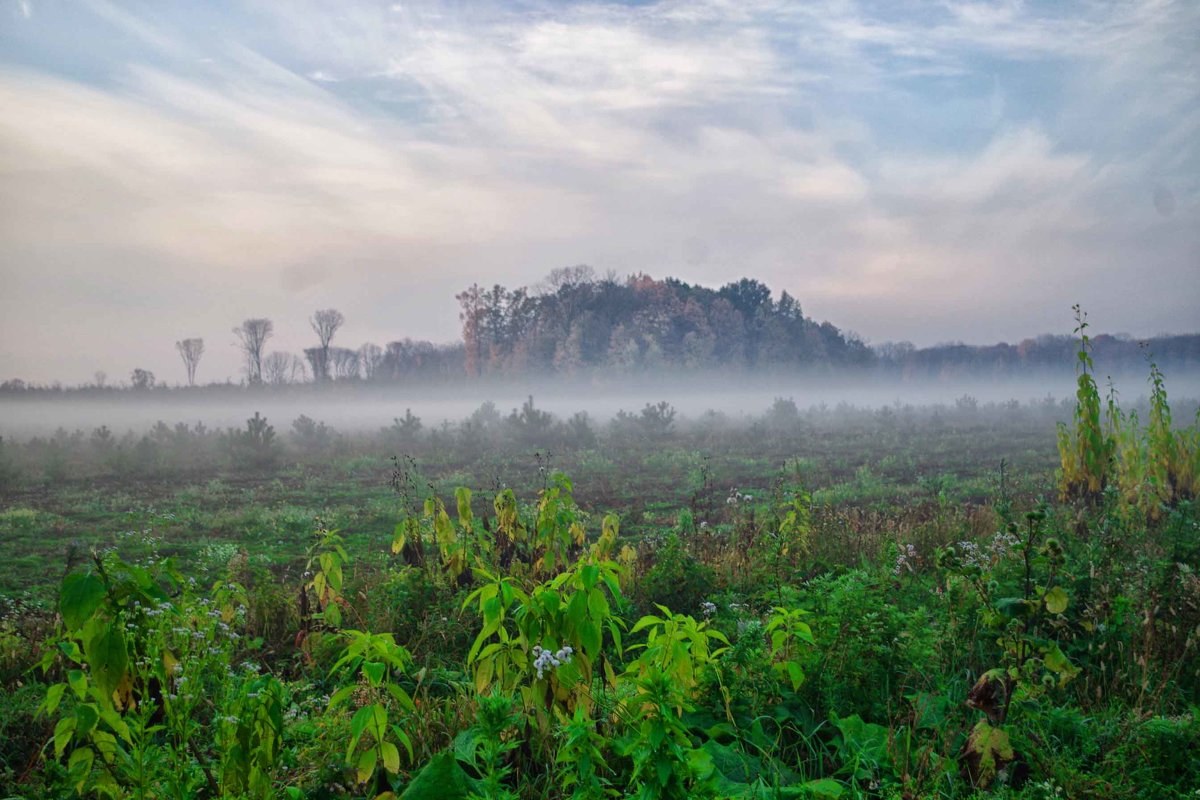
[1056, 600]
[366, 765]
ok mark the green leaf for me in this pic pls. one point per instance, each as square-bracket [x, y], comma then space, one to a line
[80, 766]
[105, 651]
[71, 651]
[360, 721]
[588, 575]
[486, 633]
[366, 765]
[53, 698]
[590, 638]
[988, 750]
[597, 605]
[106, 745]
[81, 594]
[577, 608]
[483, 675]
[645, 622]
[86, 717]
[441, 779]
[391, 757]
[402, 737]
[62, 735]
[374, 671]
[795, 674]
[340, 696]
[1056, 600]
[824, 789]
[1014, 607]
[332, 615]
[114, 721]
[78, 681]
[1057, 662]
[401, 697]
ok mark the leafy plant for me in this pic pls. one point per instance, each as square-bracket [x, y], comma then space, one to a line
[1086, 451]
[326, 558]
[373, 661]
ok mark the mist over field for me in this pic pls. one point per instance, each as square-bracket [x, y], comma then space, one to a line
[358, 409]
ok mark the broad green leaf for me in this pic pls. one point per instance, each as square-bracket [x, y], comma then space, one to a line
[483, 675]
[989, 750]
[53, 698]
[401, 697]
[366, 765]
[824, 789]
[105, 651]
[374, 670]
[113, 720]
[597, 605]
[62, 735]
[340, 696]
[86, 717]
[80, 766]
[1056, 600]
[795, 674]
[441, 779]
[590, 638]
[588, 575]
[106, 744]
[391, 757]
[360, 721]
[79, 597]
[332, 614]
[1057, 662]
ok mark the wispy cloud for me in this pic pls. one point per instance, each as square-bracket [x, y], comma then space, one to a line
[954, 171]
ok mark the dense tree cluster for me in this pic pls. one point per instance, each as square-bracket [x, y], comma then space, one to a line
[576, 322]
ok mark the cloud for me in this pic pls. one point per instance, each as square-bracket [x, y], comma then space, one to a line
[958, 171]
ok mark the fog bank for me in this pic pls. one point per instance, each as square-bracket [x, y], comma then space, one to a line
[364, 407]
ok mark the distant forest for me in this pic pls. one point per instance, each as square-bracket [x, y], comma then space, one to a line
[577, 323]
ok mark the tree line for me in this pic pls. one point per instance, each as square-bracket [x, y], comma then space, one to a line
[575, 322]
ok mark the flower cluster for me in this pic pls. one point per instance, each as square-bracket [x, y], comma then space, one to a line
[1004, 543]
[548, 660]
[1000, 547]
[906, 560]
[708, 609]
[972, 554]
[737, 498]
[160, 608]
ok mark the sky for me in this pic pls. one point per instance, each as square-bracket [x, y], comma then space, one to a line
[927, 171]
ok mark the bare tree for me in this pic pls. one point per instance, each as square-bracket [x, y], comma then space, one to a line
[100, 377]
[317, 360]
[190, 350]
[252, 336]
[567, 278]
[370, 356]
[343, 363]
[325, 324]
[299, 373]
[277, 368]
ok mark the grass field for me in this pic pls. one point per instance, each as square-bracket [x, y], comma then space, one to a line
[896, 603]
[895, 465]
